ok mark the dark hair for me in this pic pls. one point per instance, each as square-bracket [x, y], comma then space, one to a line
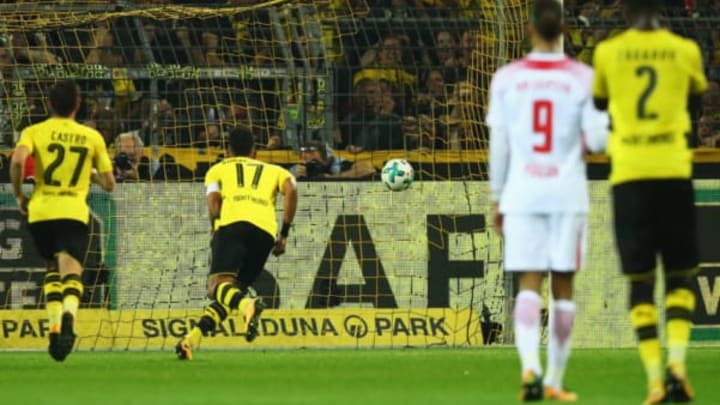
[241, 141]
[642, 6]
[63, 97]
[547, 19]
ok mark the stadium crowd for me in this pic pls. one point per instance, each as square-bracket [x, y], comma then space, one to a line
[406, 74]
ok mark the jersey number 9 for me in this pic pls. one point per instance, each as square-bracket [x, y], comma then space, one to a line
[543, 124]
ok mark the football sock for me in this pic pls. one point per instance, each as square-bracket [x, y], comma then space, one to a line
[527, 330]
[644, 319]
[561, 325]
[214, 314]
[53, 290]
[72, 291]
[230, 296]
[679, 306]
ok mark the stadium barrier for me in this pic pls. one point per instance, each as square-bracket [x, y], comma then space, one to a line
[364, 268]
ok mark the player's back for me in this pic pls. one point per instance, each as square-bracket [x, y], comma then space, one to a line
[542, 104]
[65, 152]
[647, 77]
[248, 188]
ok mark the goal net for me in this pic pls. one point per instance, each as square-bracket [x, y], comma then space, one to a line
[165, 83]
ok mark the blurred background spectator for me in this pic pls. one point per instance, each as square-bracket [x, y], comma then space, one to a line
[318, 162]
[363, 75]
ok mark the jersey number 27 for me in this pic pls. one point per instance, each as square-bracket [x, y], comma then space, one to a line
[59, 150]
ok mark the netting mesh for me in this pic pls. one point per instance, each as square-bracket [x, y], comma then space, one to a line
[165, 83]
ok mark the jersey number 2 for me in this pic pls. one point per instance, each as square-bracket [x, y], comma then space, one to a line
[82, 153]
[642, 111]
[543, 124]
[241, 176]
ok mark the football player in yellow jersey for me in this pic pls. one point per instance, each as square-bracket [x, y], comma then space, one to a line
[68, 155]
[649, 79]
[241, 194]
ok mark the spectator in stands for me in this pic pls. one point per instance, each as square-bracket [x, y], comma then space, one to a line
[318, 162]
[465, 130]
[209, 135]
[371, 125]
[432, 98]
[446, 48]
[453, 8]
[164, 128]
[120, 92]
[708, 132]
[385, 63]
[32, 48]
[469, 42]
[102, 117]
[432, 109]
[711, 99]
[582, 34]
[130, 162]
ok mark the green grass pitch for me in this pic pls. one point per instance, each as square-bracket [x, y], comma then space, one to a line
[338, 377]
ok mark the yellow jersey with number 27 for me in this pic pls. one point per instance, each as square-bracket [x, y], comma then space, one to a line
[65, 152]
[647, 77]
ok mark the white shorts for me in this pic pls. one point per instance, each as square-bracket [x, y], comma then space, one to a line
[545, 242]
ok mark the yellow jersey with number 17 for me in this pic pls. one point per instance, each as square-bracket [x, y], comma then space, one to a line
[65, 152]
[647, 77]
[248, 189]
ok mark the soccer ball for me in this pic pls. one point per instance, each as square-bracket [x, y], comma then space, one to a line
[397, 174]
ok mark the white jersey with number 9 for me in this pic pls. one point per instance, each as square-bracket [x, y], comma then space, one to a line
[541, 118]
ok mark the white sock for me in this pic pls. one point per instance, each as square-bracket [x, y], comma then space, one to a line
[527, 330]
[562, 319]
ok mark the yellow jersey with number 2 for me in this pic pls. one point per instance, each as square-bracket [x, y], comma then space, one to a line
[65, 152]
[647, 77]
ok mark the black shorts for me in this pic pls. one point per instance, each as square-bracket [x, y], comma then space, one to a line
[242, 249]
[655, 217]
[61, 235]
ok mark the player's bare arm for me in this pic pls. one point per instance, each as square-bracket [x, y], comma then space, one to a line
[106, 180]
[214, 202]
[17, 169]
[290, 198]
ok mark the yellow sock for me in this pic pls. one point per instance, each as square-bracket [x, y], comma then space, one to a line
[679, 306]
[228, 295]
[53, 300]
[72, 291]
[194, 336]
[244, 304]
[214, 314]
[644, 319]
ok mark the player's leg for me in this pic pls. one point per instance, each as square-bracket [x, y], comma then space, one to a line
[214, 314]
[72, 240]
[637, 247]
[567, 245]
[52, 286]
[680, 262]
[251, 306]
[526, 249]
[226, 257]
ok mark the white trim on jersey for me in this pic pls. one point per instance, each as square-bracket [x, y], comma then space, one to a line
[212, 188]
